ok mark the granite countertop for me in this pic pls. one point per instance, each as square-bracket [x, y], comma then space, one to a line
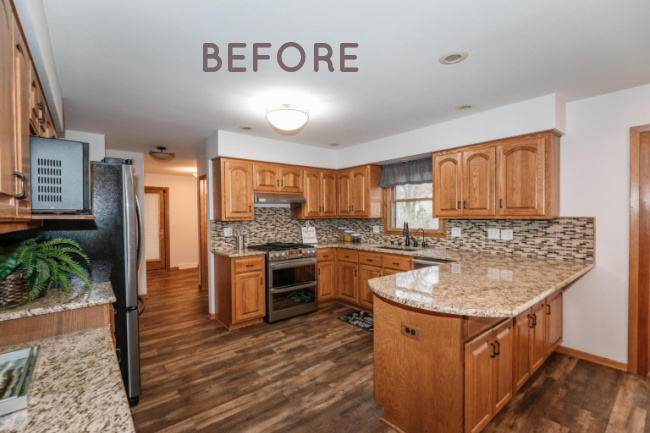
[480, 285]
[57, 300]
[435, 253]
[76, 387]
[231, 252]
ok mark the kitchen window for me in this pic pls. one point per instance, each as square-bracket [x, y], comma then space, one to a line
[412, 203]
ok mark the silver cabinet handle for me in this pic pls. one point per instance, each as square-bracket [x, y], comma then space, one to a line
[23, 191]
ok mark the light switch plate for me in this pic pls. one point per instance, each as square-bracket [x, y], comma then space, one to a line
[375, 229]
[493, 233]
[455, 232]
[506, 235]
[227, 232]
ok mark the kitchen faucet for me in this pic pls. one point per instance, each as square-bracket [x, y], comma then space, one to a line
[424, 244]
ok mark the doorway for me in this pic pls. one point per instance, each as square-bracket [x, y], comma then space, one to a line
[203, 232]
[156, 227]
[639, 291]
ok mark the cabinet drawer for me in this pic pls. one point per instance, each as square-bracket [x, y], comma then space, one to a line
[347, 255]
[403, 263]
[249, 264]
[325, 254]
[371, 259]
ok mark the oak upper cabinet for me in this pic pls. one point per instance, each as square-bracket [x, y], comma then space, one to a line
[269, 177]
[488, 376]
[359, 193]
[344, 182]
[347, 281]
[359, 188]
[320, 193]
[479, 184]
[291, 179]
[447, 185]
[553, 322]
[233, 193]
[328, 193]
[7, 118]
[366, 294]
[312, 191]
[22, 107]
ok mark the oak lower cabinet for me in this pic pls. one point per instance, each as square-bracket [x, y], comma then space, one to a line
[326, 278]
[367, 273]
[233, 192]
[488, 376]
[347, 281]
[240, 290]
[537, 332]
[553, 322]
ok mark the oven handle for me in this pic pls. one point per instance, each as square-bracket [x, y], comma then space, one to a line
[292, 288]
[292, 264]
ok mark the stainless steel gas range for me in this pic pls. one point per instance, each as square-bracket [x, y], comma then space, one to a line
[291, 283]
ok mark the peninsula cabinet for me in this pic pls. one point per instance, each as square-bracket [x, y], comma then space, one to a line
[359, 193]
[512, 178]
[233, 192]
[320, 193]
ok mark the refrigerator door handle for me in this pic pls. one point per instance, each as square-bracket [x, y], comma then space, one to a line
[141, 308]
[138, 211]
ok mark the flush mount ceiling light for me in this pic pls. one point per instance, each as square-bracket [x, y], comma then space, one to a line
[246, 128]
[463, 107]
[161, 155]
[453, 57]
[287, 120]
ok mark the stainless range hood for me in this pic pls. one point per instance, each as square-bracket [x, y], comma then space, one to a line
[271, 198]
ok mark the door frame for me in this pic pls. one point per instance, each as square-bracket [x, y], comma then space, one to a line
[639, 279]
[204, 231]
[164, 210]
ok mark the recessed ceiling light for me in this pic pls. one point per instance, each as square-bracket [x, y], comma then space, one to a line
[453, 57]
[463, 107]
[334, 145]
[246, 128]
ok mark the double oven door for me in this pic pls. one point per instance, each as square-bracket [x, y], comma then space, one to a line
[292, 288]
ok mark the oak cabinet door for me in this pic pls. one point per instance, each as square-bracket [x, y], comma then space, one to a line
[478, 383]
[291, 179]
[325, 281]
[238, 190]
[479, 186]
[7, 119]
[553, 323]
[538, 338]
[312, 208]
[388, 271]
[359, 192]
[520, 177]
[328, 194]
[344, 181]
[22, 87]
[521, 350]
[249, 296]
[503, 389]
[266, 177]
[366, 294]
[447, 185]
[347, 281]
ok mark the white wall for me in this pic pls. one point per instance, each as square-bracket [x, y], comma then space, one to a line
[183, 217]
[534, 115]
[595, 176]
[138, 159]
[96, 142]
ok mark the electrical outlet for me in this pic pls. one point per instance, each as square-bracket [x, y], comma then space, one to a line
[227, 232]
[493, 233]
[507, 235]
[455, 268]
[376, 229]
[455, 232]
[494, 274]
[506, 275]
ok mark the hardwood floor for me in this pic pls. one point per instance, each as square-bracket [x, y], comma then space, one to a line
[315, 374]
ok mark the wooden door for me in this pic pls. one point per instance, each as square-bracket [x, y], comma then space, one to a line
[238, 190]
[7, 119]
[328, 193]
[521, 350]
[478, 382]
[312, 208]
[503, 389]
[359, 192]
[325, 281]
[447, 185]
[347, 281]
[479, 186]
[156, 227]
[520, 177]
[266, 177]
[22, 85]
[538, 338]
[344, 181]
[291, 179]
[249, 293]
[366, 294]
[204, 242]
[553, 323]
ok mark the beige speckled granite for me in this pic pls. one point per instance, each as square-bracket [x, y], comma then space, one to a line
[434, 253]
[76, 387]
[231, 252]
[57, 300]
[480, 285]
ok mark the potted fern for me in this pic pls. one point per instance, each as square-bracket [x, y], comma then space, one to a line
[30, 268]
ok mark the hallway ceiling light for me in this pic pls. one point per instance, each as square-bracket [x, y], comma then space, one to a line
[287, 120]
[161, 155]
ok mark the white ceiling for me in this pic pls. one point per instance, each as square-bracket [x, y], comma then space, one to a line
[133, 69]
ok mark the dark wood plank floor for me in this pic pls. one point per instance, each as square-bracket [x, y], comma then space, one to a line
[314, 374]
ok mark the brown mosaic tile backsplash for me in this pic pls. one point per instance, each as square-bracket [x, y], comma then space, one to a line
[562, 239]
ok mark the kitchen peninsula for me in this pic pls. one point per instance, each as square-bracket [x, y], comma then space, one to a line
[455, 342]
